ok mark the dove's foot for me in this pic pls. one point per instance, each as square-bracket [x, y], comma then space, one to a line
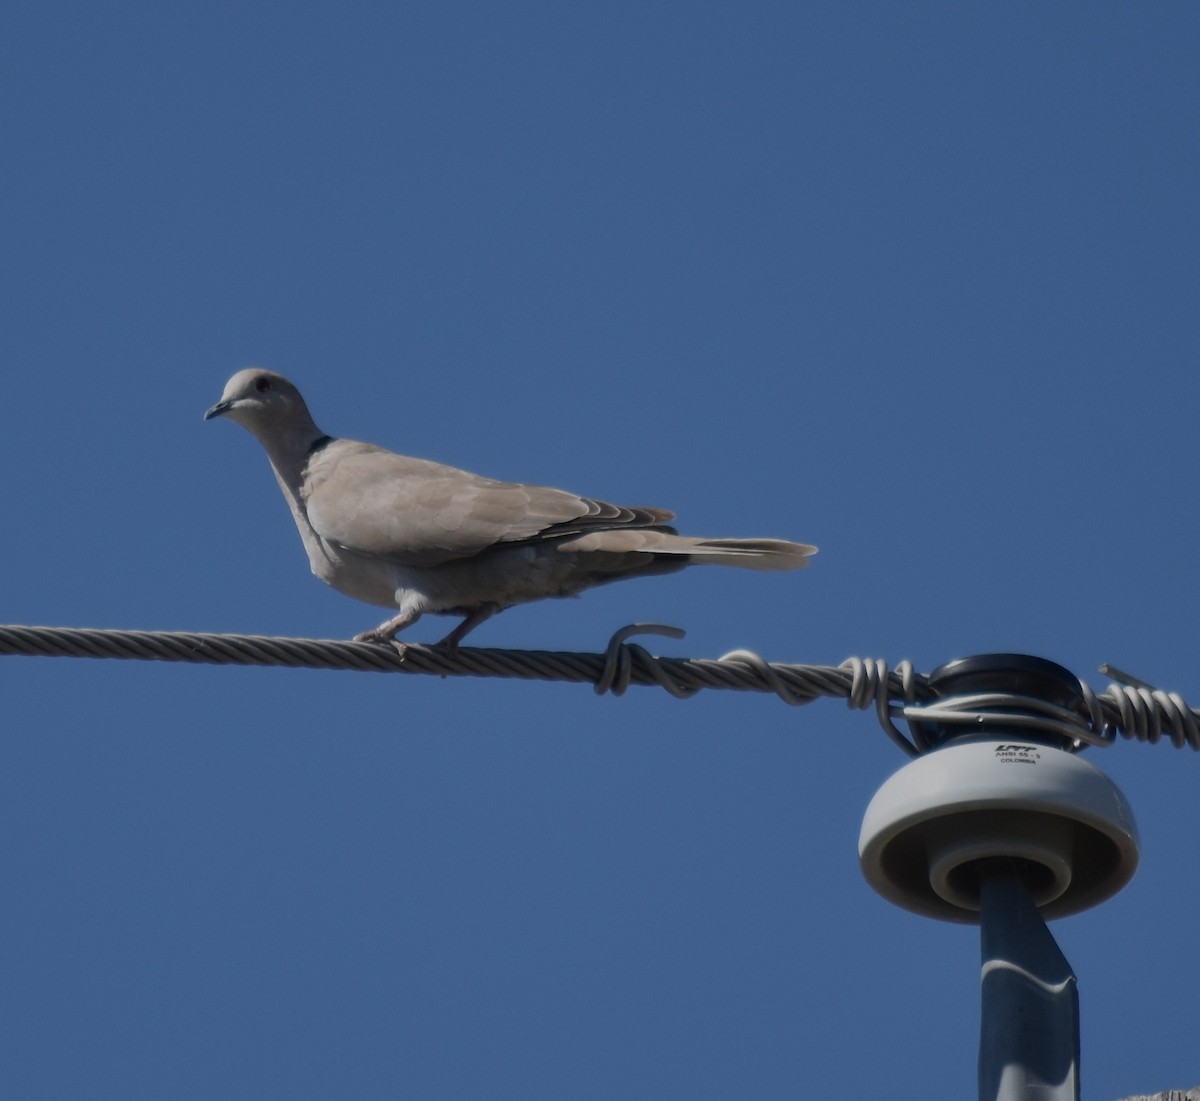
[382, 637]
[386, 631]
[377, 635]
[451, 641]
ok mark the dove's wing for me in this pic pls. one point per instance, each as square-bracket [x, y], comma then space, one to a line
[421, 513]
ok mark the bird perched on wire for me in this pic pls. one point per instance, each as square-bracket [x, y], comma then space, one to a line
[419, 537]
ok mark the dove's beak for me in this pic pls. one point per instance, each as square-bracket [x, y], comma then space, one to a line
[218, 410]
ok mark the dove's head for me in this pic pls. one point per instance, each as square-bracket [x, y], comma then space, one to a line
[270, 407]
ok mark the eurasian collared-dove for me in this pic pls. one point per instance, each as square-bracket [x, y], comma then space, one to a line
[422, 537]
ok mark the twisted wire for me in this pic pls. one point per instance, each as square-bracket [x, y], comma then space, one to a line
[1133, 710]
[1016, 711]
[623, 664]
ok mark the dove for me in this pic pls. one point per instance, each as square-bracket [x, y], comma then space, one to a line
[417, 536]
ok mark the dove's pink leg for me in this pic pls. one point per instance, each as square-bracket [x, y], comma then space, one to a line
[451, 641]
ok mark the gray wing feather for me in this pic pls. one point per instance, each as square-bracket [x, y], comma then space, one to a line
[422, 513]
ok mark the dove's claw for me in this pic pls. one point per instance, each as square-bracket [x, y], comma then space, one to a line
[374, 635]
[386, 631]
[383, 638]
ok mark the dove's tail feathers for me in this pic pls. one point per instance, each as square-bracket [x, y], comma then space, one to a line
[748, 554]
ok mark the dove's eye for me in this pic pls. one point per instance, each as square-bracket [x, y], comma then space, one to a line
[262, 385]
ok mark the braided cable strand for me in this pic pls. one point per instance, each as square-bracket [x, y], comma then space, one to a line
[1135, 711]
[1145, 715]
[623, 664]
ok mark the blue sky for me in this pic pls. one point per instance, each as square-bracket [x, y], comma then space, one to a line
[917, 283]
